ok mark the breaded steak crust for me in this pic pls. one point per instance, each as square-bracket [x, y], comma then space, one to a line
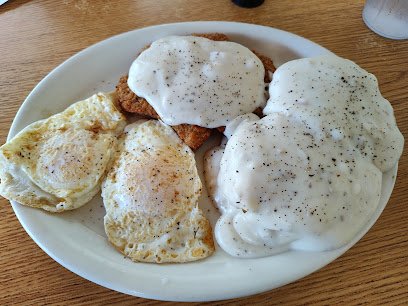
[194, 136]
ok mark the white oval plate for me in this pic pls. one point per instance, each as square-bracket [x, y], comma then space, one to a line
[77, 240]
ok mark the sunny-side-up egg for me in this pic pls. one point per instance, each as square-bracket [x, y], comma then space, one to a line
[151, 198]
[307, 176]
[58, 163]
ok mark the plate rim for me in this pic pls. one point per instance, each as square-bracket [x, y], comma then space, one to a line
[75, 269]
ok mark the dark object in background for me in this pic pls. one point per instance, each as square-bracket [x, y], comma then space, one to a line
[248, 3]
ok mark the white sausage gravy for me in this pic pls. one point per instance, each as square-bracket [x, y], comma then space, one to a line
[198, 81]
[308, 175]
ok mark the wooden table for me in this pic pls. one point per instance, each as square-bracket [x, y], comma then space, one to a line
[36, 36]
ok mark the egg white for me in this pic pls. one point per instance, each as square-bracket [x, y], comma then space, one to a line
[58, 163]
[150, 196]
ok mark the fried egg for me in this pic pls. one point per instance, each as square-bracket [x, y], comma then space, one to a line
[150, 196]
[58, 163]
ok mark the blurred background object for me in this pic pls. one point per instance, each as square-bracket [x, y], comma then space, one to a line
[248, 3]
[388, 18]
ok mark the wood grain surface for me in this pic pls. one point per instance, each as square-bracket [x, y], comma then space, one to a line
[37, 35]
